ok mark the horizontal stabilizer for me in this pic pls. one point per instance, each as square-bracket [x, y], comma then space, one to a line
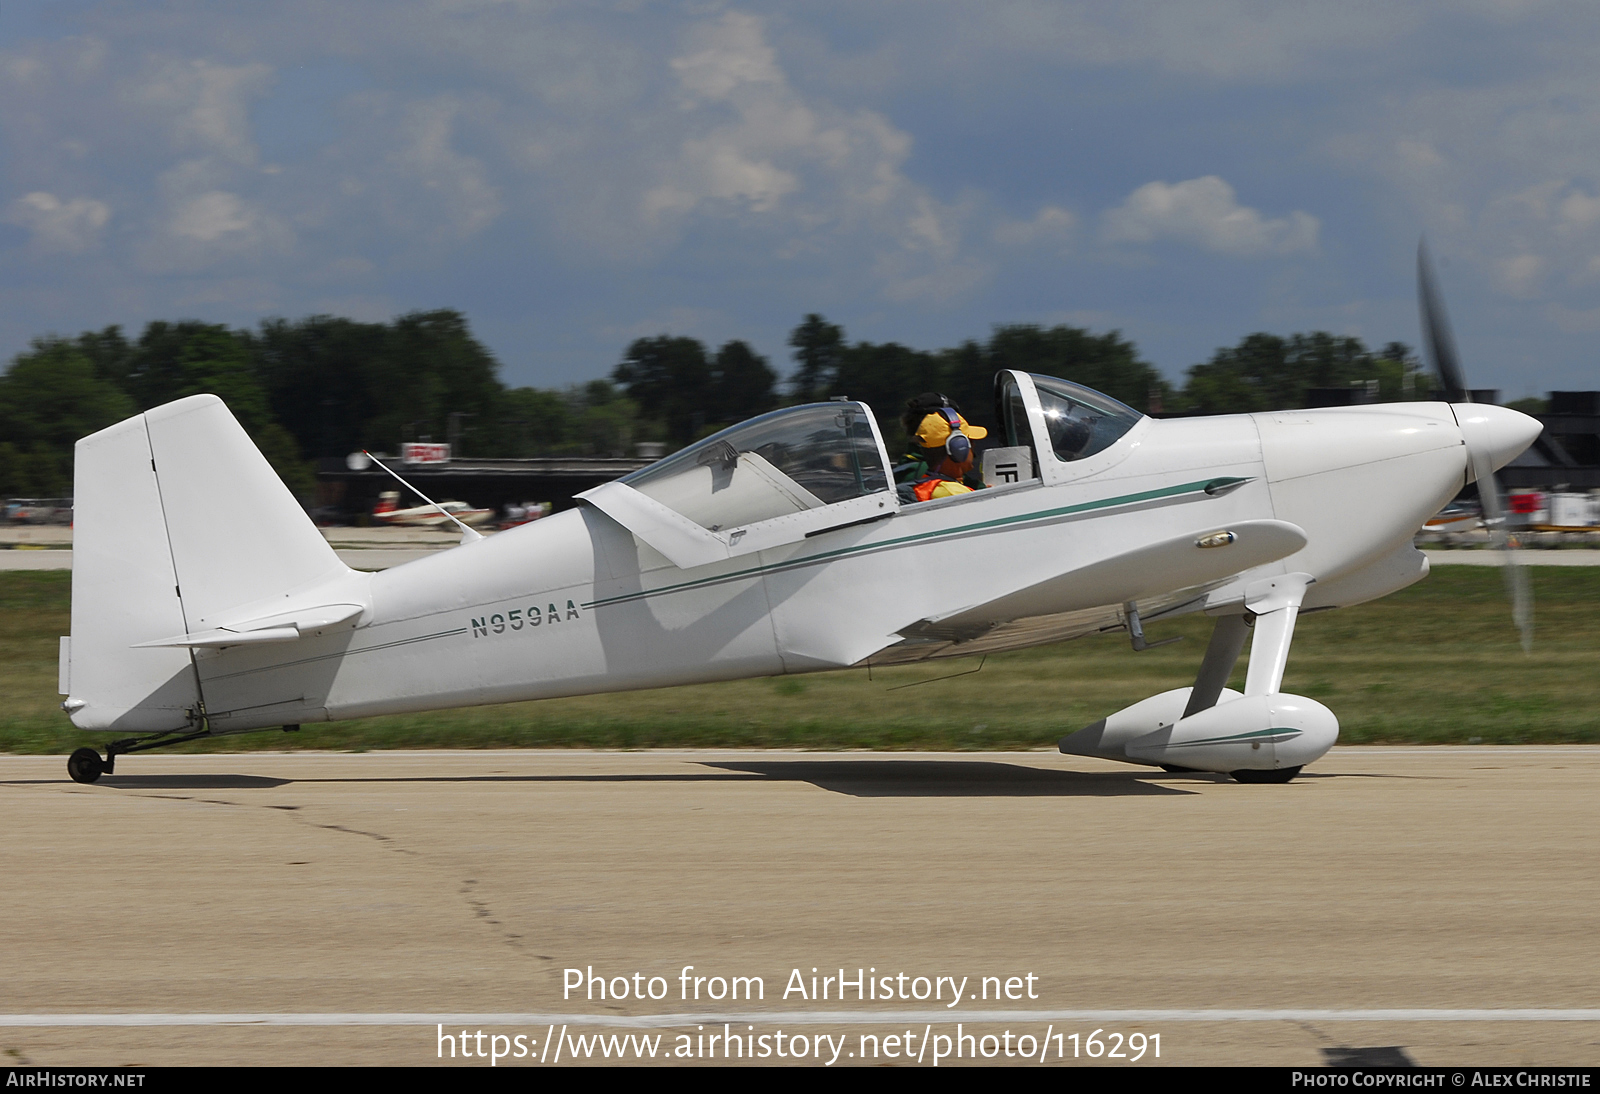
[284, 627]
[216, 639]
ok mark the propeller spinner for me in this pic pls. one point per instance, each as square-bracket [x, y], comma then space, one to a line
[1492, 434]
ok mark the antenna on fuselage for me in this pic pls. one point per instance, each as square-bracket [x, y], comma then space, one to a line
[468, 535]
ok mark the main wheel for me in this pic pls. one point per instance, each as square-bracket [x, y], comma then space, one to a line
[1278, 775]
[85, 765]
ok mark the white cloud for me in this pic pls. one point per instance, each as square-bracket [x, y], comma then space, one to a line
[63, 226]
[1496, 163]
[209, 217]
[1418, 155]
[451, 184]
[1536, 201]
[1536, 241]
[626, 160]
[716, 168]
[734, 162]
[1520, 274]
[1580, 210]
[1203, 212]
[206, 105]
[756, 152]
[729, 54]
[1573, 320]
[1050, 225]
[209, 227]
[1240, 40]
[904, 279]
[756, 158]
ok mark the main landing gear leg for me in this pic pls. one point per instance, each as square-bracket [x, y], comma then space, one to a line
[1222, 653]
[1276, 604]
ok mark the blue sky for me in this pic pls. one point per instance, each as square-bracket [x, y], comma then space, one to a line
[572, 176]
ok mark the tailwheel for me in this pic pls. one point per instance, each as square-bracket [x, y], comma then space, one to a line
[85, 765]
[1278, 775]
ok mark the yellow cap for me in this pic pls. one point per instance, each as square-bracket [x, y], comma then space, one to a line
[934, 431]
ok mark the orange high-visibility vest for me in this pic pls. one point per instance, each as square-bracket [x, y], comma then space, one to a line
[928, 489]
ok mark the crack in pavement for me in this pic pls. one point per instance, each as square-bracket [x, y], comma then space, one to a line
[480, 908]
[378, 836]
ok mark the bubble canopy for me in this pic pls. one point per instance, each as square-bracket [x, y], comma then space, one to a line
[786, 462]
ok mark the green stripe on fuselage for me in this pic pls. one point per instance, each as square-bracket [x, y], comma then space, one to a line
[965, 529]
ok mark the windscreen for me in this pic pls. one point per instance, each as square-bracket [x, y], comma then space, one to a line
[1080, 420]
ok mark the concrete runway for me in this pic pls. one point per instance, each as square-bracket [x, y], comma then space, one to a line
[1464, 880]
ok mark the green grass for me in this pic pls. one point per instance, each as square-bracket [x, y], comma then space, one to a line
[1436, 663]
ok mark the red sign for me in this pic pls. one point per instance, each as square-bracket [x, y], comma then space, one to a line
[412, 452]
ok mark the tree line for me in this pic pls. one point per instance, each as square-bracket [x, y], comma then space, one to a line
[325, 386]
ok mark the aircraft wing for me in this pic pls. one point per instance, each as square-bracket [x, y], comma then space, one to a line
[1164, 578]
[929, 642]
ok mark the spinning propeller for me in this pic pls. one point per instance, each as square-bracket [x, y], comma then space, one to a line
[1480, 430]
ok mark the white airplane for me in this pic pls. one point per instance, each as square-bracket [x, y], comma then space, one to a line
[388, 511]
[776, 546]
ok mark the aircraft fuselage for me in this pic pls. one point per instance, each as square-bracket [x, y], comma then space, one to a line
[575, 603]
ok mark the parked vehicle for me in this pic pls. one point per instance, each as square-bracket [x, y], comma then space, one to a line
[524, 513]
[38, 511]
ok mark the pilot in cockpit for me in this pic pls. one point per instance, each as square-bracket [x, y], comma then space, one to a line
[939, 461]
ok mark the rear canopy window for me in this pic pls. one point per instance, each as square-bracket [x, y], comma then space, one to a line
[786, 462]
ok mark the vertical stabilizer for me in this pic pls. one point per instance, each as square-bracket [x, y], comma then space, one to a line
[180, 524]
[238, 536]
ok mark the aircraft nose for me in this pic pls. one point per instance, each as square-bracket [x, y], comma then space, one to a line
[1500, 432]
